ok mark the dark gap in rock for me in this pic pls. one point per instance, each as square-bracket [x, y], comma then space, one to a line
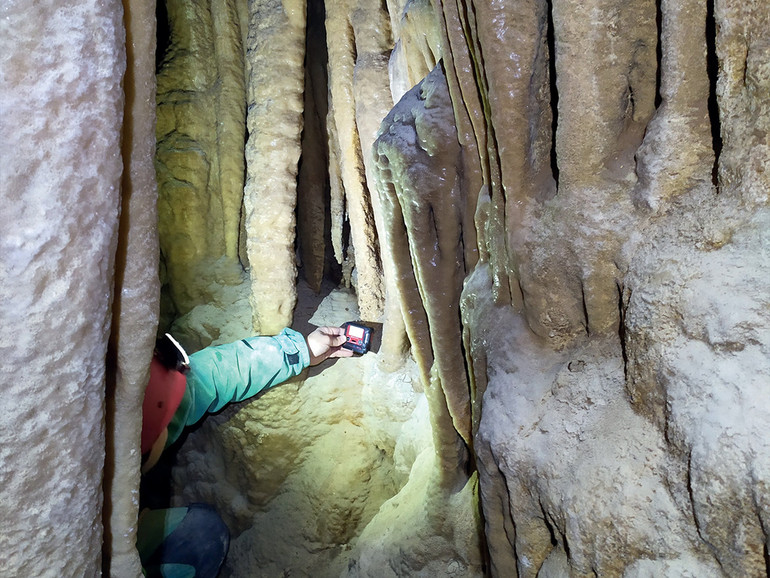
[476, 58]
[658, 51]
[548, 525]
[622, 330]
[162, 33]
[585, 308]
[551, 39]
[766, 556]
[691, 495]
[712, 68]
[316, 87]
[566, 545]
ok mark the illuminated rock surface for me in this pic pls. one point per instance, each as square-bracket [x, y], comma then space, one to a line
[200, 163]
[60, 175]
[563, 230]
[136, 304]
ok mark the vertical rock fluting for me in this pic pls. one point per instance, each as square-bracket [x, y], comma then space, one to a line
[275, 103]
[61, 117]
[619, 231]
[696, 316]
[417, 154]
[137, 296]
[358, 37]
[200, 161]
[418, 46]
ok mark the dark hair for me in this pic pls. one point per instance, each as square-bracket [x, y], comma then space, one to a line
[171, 354]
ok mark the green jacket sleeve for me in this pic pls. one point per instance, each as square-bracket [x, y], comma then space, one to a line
[235, 372]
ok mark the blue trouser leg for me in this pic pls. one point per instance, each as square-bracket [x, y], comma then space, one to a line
[199, 541]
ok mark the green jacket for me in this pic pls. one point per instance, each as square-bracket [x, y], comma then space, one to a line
[237, 371]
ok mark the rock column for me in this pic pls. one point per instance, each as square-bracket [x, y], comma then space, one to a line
[62, 66]
[274, 124]
[137, 296]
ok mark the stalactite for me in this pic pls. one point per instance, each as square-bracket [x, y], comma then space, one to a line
[512, 52]
[274, 122]
[673, 162]
[418, 47]
[468, 118]
[416, 155]
[348, 178]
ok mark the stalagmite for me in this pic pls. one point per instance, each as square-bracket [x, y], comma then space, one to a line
[62, 66]
[137, 297]
[274, 123]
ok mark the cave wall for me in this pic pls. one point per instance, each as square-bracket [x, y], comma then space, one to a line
[614, 324]
[200, 165]
[579, 188]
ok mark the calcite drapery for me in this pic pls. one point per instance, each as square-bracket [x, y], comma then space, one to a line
[628, 241]
[417, 154]
[358, 35]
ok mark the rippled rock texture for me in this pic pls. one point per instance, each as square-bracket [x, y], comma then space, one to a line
[557, 210]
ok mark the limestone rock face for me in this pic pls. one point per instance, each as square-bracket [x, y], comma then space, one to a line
[200, 160]
[339, 465]
[358, 42]
[416, 155]
[62, 67]
[598, 189]
[562, 224]
[136, 299]
[615, 324]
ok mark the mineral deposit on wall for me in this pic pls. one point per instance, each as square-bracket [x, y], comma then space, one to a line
[562, 224]
[61, 117]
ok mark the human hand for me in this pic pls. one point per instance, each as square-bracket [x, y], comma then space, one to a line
[326, 342]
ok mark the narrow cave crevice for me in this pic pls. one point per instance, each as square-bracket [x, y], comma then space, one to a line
[658, 52]
[162, 33]
[712, 69]
[318, 265]
[554, 92]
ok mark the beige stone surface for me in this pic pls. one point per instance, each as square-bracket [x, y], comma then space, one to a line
[274, 124]
[418, 46]
[338, 464]
[593, 176]
[422, 201]
[200, 130]
[358, 36]
[136, 300]
[698, 344]
[61, 117]
[638, 453]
